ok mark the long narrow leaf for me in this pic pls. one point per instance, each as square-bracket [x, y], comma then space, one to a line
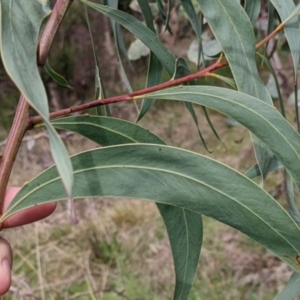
[270, 67]
[259, 117]
[233, 29]
[186, 246]
[196, 24]
[120, 46]
[255, 171]
[291, 29]
[55, 76]
[252, 9]
[183, 70]
[292, 290]
[146, 35]
[18, 44]
[99, 86]
[107, 131]
[176, 177]
[271, 19]
[155, 68]
[293, 207]
[192, 16]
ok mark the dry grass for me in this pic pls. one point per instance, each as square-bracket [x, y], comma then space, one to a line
[119, 249]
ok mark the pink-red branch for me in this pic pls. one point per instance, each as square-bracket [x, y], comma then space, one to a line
[130, 96]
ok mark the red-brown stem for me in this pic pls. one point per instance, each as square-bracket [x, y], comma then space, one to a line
[20, 121]
[271, 35]
[127, 97]
[14, 140]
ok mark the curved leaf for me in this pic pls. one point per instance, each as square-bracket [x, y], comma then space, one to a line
[155, 68]
[150, 39]
[120, 46]
[107, 131]
[55, 76]
[292, 290]
[254, 171]
[271, 69]
[252, 9]
[290, 190]
[259, 117]
[233, 29]
[291, 29]
[175, 177]
[184, 227]
[99, 86]
[192, 16]
[181, 70]
[20, 29]
[146, 35]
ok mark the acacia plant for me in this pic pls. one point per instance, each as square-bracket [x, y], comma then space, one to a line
[135, 163]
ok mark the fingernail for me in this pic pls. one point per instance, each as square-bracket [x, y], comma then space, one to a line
[6, 265]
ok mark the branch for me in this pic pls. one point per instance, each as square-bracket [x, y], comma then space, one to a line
[127, 97]
[20, 121]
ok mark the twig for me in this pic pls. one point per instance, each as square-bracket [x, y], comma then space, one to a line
[128, 97]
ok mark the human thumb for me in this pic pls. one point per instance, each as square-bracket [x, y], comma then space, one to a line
[5, 266]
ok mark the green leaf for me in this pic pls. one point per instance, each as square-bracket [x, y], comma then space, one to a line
[255, 171]
[155, 68]
[99, 86]
[294, 13]
[186, 245]
[252, 9]
[270, 67]
[292, 290]
[175, 177]
[117, 31]
[192, 16]
[154, 77]
[137, 28]
[227, 80]
[259, 117]
[20, 30]
[107, 131]
[181, 70]
[291, 29]
[55, 76]
[271, 19]
[232, 28]
[165, 16]
[185, 233]
[120, 46]
[146, 35]
[293, 207]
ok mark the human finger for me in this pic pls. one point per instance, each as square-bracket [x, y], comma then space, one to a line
[28, 215]
[5, 266]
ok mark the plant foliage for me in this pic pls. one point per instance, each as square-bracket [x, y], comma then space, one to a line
[135, 163]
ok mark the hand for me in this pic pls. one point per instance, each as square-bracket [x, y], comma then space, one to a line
[24, 217]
